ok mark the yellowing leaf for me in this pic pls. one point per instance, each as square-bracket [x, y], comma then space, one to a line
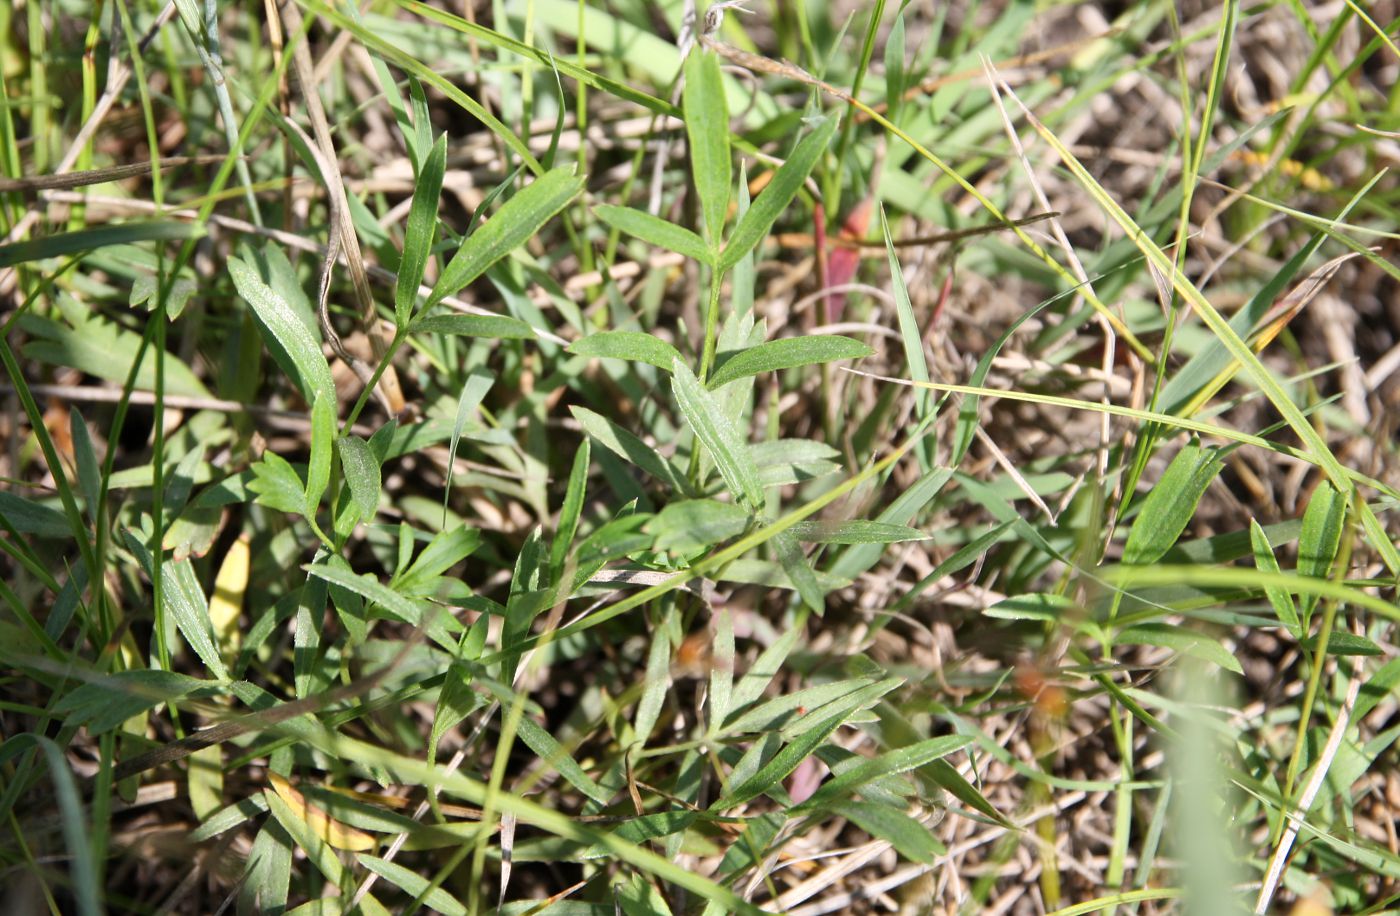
[325, 827]
[226, 604]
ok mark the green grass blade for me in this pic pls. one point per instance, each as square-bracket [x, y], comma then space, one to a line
[570, 512]
[1314, 445]
[84, 240]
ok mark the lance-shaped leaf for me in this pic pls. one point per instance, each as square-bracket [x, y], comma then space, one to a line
[634, 346]
[185, 601]
[627, 446]
[787, 354]
[318, 471]
[362, 474]
[419, 231]
[501, 326]
[719, 434]
[769, 205]
[521, 217]
[1168, 508]
[707, 128]
[655, 231]
[281, 321]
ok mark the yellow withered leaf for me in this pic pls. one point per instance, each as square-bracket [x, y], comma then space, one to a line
[226, 604]
[325, 827]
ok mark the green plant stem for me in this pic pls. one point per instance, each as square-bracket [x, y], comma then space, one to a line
[400, 335]
[707, 356]
[1319, 662]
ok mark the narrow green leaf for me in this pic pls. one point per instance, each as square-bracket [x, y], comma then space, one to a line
[719, 435]
[552, 752]
[894, 69]
[29, 517]
[783, 763]
[186, 602]
[639, 897]
[529, 596]
[225, 819]
[798, 570]
[414, 884]
[769, 205]
[1045, 606]
[77, 830]
[1340, 642]
[909, 332]
[267, 874]
[1180, 639]
[961, 558]
[570, 512]
[857, 558]
[310, 671]
[693, 524]
[707, 128]
[721, 693]
[910, 838]
[636, 346]
[656, 686]
[104, 704]
[1323, 521]
[1280, 599]
[282, 322]
[777, 712]
[890, 763]
[63, 243]
[655, 231]
[855, 532]
[945, 775]
[497, 326]
[628, 447]
[447, 548]
[519, 219]
[457, 699]
[371, 589]
[104, 349]
[362, 474]
[422, 122]
[787, 353]
[318, 470]
[761, 672]
[85, 457]
[419, 230]
[647, 827]
[1168, 508]
[1377, 689]
[855, 701]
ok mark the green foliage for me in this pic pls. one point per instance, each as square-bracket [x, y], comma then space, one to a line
[831, 577]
